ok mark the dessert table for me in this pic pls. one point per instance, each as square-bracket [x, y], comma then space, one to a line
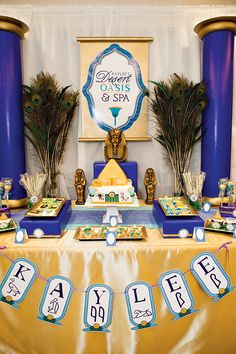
[210, 330]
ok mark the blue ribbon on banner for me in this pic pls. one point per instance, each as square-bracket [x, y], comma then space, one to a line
[221, 295]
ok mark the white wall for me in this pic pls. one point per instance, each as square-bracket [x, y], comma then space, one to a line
[51, 46]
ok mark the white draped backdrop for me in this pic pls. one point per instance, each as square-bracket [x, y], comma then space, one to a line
[51, 46]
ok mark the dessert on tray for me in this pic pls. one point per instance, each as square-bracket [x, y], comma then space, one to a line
[7, 224]
[176, 206]
[46, 207]
[220, 224]
[97, 233]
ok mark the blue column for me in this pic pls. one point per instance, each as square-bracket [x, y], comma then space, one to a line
[12, 151]
[217, 67]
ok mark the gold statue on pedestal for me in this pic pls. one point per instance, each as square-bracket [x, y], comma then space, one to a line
[115, 146]
[150, 182]
[80, 183]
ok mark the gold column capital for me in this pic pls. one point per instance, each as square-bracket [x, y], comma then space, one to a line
[13, 25]
[216, 24]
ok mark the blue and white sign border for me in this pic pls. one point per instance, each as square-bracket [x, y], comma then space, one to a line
[177, 315]
[16, 302]
[150, 323]
[57, 321]
[140, 97]
[109, 316]
[215, 297]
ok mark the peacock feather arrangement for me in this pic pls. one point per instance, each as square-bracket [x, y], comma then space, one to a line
[177, 105]
[48, 113]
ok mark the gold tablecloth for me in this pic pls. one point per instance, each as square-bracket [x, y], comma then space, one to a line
[210, 330]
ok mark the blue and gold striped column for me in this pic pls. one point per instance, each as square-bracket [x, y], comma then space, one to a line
[12, 150]
[217, 36]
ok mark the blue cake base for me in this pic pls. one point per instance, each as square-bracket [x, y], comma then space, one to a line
[129, 168]
[50, 226]
[172, 225]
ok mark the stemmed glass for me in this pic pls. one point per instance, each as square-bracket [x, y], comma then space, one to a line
[7, 186]
[230, 191]
[1, 192]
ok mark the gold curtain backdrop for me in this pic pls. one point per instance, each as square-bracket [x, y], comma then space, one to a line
[210, 330]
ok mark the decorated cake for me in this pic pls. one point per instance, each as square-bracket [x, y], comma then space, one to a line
[112, 187]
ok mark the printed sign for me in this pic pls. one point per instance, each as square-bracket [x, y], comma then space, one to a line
[206, 208]
[234, 234]
[111, 238]
[114, 89]
[141, 308]
[20, 235]
[211, 276]
[55, 300]
[199, 234]
[17, 281]
[176, 293]
[98, 308]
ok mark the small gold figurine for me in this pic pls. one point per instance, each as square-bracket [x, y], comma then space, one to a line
[80, 183]
[150, 185]
[115, 146]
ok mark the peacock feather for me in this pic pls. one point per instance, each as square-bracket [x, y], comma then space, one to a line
[177, 106]
[48, 114]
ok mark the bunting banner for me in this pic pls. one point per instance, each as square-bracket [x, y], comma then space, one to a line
[140, 304]
[17, 282]
[177, 294]
[98, 305]
[98, 308]
[208, 271]
[55, 300]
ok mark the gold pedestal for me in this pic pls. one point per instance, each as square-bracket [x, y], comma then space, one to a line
[17, 203]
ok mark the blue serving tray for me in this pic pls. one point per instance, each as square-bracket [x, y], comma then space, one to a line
[172, 225]
[49, 225]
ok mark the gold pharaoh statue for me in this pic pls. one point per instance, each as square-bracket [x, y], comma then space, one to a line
[80, 183]
[115, 146]
[150, 182]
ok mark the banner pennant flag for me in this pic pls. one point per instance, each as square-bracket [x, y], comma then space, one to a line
[55, 299]
[141, 308]
[177, 294]
[209, 273]
[17, 281]
[98, 308]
